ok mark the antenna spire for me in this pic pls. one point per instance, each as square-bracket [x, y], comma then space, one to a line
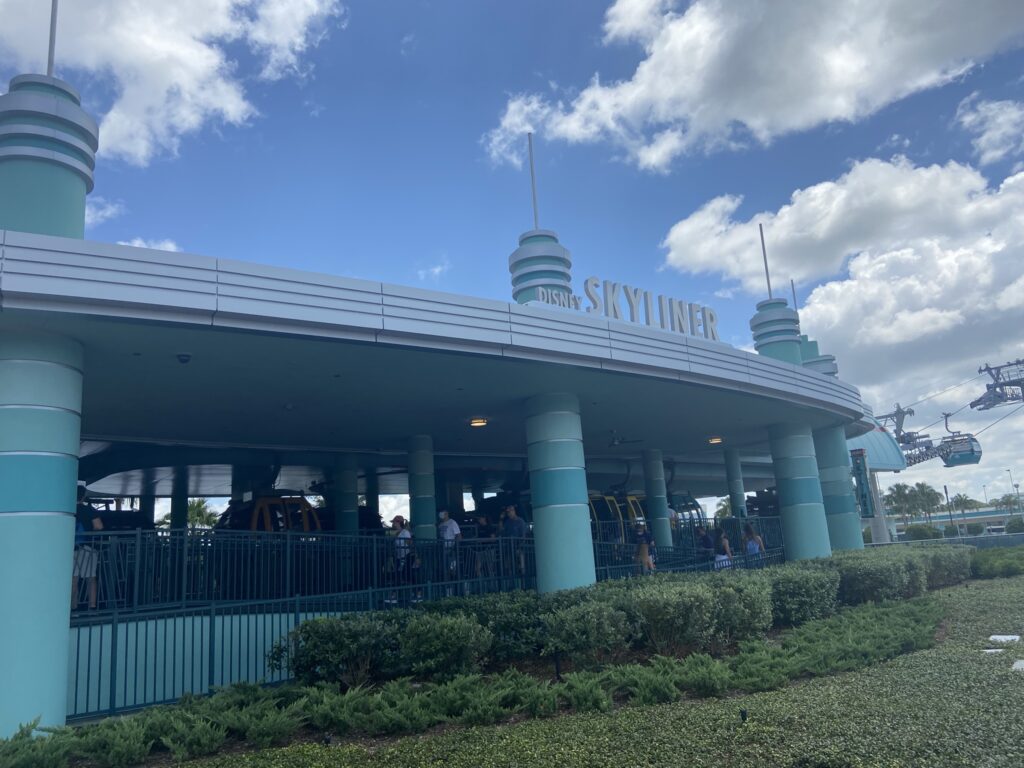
[792, 287]
[533, 176]
[53, 38]
[764, 253]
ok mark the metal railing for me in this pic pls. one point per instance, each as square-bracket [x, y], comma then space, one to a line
[183, 612]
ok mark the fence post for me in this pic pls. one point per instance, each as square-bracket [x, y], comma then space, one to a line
[113, 660]
[136, 568]
[211, 676]
[288, 563]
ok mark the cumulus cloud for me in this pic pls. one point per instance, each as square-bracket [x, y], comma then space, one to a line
[721, 73]
[166, 63]
[158, 245]
[99, 210]
[997, 127]
[434, 272]
[919, 276]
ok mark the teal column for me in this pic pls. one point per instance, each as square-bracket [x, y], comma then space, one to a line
[734, 480]
[47, 155]
[835, 471]
[657, 498]
[804, 529]
[563, 540]
[40, 406]
[147, 510]
[422, 505]
[346, 495]
[179, 498]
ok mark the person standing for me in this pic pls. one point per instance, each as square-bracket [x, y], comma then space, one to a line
[753, 544]
[404, 556]
[449, 533]
[723, 552]
[514, 529]
[87, 556]
[644, 549]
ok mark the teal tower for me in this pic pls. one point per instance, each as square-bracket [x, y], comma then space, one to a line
[776, 330]
[47, 155]
[540, 264]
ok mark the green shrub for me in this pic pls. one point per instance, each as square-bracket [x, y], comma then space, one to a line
[119, 742]
[263, 724]
[589, 630]
[997, 562]
[705, 677]
[25, 749]
[644, 683]
[873, 576]
[1015, 524]
[352, 649]
[951, 531]
[584, 693]
[866, 534]
[676, 617]
[743, 607]
[975, 529]
[922, 532]
[190, 735]
[802, 593]
[946, 565]
[440, 646]
[513, 618]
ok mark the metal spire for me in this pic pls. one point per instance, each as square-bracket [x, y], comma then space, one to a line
[53, 38]
[792, 287]
[533, 176]
[764, 253]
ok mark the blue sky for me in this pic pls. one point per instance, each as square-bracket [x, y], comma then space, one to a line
[380, 140]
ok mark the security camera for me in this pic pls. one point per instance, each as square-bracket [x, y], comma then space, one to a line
[184, 358]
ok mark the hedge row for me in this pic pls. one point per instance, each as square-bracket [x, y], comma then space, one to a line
[263, 717]
[998, 562]
[670, 614]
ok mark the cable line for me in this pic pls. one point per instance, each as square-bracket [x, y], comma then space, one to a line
[947, 389]
[954, 413]
[999, 419]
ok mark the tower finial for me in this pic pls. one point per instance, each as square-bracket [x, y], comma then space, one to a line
[533, 176]
[764, 253]
[53, 38]
[792, 287]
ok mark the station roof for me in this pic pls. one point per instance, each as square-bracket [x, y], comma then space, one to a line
[306, 366]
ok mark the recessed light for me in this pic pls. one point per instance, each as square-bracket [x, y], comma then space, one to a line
[478, 422]
[714, 441]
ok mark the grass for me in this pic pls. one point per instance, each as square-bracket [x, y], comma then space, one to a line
[947, 706]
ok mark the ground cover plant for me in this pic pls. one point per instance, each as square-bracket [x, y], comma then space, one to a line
[695, 637]
[949, 705]
[997, 562]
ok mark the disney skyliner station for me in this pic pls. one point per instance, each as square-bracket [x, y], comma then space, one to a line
[141, 374]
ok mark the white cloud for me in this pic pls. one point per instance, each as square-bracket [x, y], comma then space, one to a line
[434, 272]
[99, 210]
[997, 127]
[721, 72]
[408, 44]
[932, 288]
[166, 62]
[158, 245]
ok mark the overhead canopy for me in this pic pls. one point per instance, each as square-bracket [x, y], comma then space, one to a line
[884, 454]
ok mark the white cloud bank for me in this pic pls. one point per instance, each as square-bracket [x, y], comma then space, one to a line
[933, 286]
[158, 245]
[167, 62]
[720, 72]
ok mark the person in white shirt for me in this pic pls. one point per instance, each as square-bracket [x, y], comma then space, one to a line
[449, 532]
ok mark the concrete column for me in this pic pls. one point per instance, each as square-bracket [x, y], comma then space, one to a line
[147, 510]
[558, 485]
[345, 495]
[734, 480]
[40, 407]
[804, 529]
[422, 505]
[179, 498]
[657, 498]
[834, 469]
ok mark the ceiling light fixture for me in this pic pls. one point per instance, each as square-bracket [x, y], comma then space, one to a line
[715, 441]
[478, 422]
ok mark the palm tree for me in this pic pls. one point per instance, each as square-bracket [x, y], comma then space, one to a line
[963, 502]
[724, 508]
[199, 515]
[900, 499]
[926, 498]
